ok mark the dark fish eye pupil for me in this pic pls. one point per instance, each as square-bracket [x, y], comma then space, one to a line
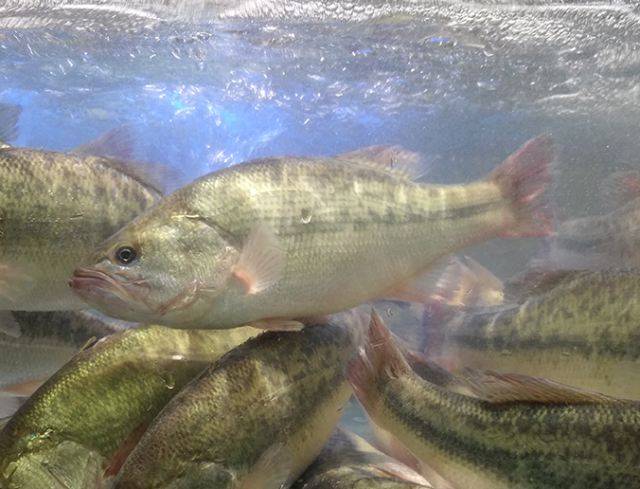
[125, 255]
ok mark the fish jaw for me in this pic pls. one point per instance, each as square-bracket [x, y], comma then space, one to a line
[122, 299]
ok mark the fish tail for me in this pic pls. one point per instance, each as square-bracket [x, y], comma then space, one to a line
[380, 359]
[523, 178]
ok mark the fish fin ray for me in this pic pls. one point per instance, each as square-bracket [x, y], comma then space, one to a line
[523, 178]
[117, 143]
[395, 160]
[380, 358]
[261, 262]
[9, 115]
[118, 148]
[505, 388]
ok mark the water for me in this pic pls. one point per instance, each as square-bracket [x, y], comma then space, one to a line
[205, 85]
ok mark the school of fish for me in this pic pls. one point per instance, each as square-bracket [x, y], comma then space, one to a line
[214, 337]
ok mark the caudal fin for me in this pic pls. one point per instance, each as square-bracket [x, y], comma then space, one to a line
[523, 178]
[379, 359]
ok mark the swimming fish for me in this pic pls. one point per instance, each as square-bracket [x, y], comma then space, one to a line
[279, 239]
[255, 419]
[44, 342]
[520, 432]
[603, 241]
[349, 462]
[77, 428]
[578, 328]
[55, 208]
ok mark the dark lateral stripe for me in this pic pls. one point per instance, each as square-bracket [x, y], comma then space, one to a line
[520, 468]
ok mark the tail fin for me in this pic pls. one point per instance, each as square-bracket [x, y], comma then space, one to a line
[379, 359]
[523, 178]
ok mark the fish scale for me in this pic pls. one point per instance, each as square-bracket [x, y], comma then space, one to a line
[103, 397]
[263, 410]
[582, 331]
[520, 432]
[55, 208]
[344, 231]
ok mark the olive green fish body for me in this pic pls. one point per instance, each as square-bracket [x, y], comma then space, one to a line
[600, 241]
[255, 419]
[349, 462]
[294, 237]
[54, 209]
[103, 397]
[46, 342]
[584, 332]
[520, 444]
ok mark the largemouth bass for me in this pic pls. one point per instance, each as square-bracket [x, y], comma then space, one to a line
[85, 419]
[279, 239]
[580, 329]
[255, 419]
[602, 241]
[44, 343]
[55, 208]
[349, 462]
[520, 433]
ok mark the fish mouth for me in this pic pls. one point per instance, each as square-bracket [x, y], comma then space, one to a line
[93, 283]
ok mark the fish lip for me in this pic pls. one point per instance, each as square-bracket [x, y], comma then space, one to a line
[88, 282]
[85, 278]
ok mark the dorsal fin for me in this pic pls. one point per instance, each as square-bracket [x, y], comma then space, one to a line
[9, 115]
[508, 388]
[394, 160]
[117, 147]
[117, 143]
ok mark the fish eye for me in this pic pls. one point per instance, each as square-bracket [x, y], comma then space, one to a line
[125, 255]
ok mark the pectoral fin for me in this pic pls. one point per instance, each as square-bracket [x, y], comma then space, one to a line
[261, 262]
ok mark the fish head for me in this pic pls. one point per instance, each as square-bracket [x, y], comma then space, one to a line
[156, 270]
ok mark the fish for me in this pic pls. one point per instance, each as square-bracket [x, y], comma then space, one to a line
[602, 241]
[579, 328]
[254, 419]
[350, 462]
[57, 207]
[76, 430]
[273, 241]
[516, 432]
[44, 342]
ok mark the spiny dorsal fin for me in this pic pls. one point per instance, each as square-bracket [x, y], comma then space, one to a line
[508, 388]
[117, 143]
[9, 115]
[395, 160]
[118, 148]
